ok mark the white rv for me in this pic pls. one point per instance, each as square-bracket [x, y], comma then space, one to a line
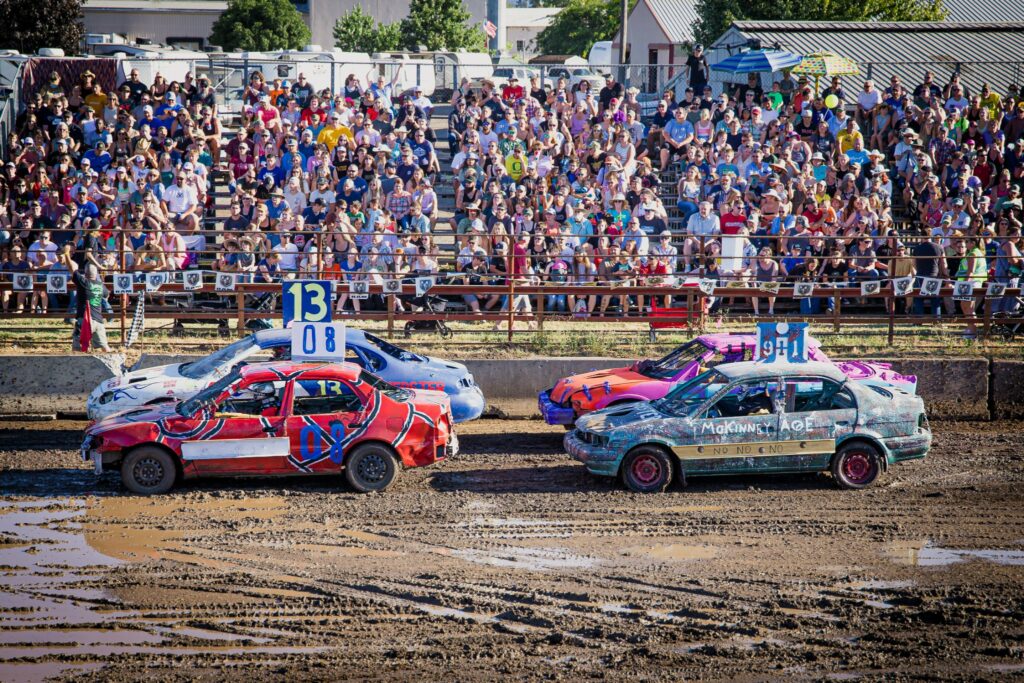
[600, 57]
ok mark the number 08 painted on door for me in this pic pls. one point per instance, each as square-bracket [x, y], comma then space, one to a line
[306, 301]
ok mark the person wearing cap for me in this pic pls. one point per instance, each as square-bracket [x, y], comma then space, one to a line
[697, 70]
[956, 216]
[84, 208]
[676, 136]
[98, 157]
[266, 111]
[512, 91]
[424, 153]
[180, 204]
[649, 219]
[664, 248]
[612, 90]
[335, 132]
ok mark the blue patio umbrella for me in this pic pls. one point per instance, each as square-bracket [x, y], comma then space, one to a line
[758, 61]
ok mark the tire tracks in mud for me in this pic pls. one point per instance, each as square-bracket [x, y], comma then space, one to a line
[511, 561]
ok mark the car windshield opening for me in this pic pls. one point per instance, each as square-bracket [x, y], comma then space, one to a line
[682, 400]
[670, 365]
[392, 350]
[383, 387]
[229, 355]
[208, 395]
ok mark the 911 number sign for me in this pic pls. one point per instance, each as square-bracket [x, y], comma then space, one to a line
[307, 301]
[318, 341]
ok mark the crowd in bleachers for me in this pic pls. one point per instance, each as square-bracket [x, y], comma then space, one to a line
[555, 183]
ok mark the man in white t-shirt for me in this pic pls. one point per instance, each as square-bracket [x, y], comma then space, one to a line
[181, 205]
[323, 191]
[867, 99]
[43, 244]
[288, 252]
[467, 253]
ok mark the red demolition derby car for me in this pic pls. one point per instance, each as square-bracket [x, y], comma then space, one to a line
[280, 418]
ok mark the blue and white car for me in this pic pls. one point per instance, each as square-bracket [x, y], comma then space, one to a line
[179, 381]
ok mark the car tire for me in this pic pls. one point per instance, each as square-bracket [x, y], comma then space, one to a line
[148, 471]
[856, 465]
[370, 467]
[646, 469]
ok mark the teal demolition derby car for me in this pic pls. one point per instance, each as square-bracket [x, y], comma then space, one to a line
[754, 417]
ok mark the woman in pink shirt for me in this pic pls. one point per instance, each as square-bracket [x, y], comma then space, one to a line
[173, 246]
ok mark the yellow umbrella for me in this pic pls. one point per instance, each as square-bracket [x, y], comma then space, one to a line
[826, 64]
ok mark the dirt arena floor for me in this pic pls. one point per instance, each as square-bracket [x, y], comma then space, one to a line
[511, 563]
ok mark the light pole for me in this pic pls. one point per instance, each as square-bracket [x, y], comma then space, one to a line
[621, 76]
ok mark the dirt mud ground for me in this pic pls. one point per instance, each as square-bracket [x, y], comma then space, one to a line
[511, 563]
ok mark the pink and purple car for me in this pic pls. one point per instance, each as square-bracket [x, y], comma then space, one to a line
[647, 380]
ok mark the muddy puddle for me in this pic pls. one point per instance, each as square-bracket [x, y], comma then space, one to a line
[532, 559]
[925, 554]
[678, 552]
[54, 552]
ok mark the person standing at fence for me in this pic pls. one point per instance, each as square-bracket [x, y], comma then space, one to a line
[1008, 267]
[929, 262]
[90, 329]
[974, 269]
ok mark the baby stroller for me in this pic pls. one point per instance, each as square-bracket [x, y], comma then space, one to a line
[259, 303]
[429, 304]
[1002, 322]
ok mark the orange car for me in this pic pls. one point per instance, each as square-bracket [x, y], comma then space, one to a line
[647, 380]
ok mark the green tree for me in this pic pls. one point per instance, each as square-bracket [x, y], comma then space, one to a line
[715, 16]
[32, 24]
[579, 25]
[355, 31]
[441, 25]
[260, 25]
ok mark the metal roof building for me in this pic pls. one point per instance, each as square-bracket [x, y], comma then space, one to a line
[981, 52]
[983, 10]
[659, 33]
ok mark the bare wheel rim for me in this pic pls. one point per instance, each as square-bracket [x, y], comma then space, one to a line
[148, 472]
[646, 469]
[372, 468]
[857, 467]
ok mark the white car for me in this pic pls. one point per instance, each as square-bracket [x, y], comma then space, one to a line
[502, 74]
[172, 382]
[179, 381]
[574, 75]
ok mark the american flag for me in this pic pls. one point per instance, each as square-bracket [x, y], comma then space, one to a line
[490, 29]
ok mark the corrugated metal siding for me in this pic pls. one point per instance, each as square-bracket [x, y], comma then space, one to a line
[992, 53]
[157, 26]
[677, 16]
[984, 10]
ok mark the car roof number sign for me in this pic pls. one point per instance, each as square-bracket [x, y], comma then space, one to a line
[306, 301]
[318, 341]
[781, 342]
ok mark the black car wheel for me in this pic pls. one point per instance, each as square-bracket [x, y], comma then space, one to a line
[370, 467]
[646, 469]
[856, 466]
[148, 471]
